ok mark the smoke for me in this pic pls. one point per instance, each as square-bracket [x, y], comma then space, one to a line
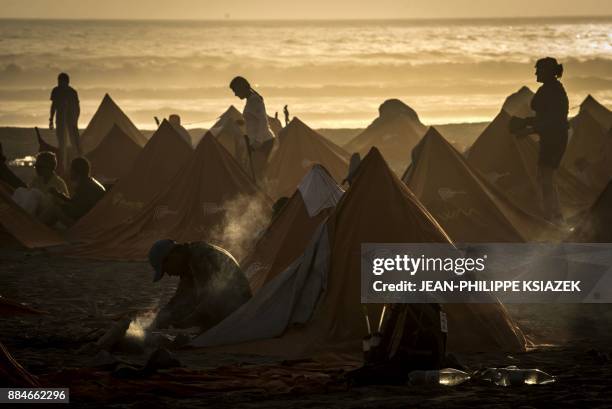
[139, 327]
[246, 217]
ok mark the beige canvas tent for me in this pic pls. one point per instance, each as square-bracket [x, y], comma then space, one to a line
[469, 208]
[510, 163]
[230, 134]
[233, 115]
[157, 163]
[395, 133]
[17, 228]
[289, 233]
[596, 224]
[107, 115]
[300, 147]
[114, 156]
[598, 111]
[314, 306]
[519, 103]
[194, 205]
[589, 151]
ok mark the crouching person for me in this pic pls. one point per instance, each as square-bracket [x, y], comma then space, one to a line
[211, 286]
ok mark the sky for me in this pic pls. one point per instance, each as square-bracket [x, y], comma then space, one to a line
[299, 9]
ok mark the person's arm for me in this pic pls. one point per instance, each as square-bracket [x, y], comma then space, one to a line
[77, 106]
[53, 108]
[52, 114]
[60, 195]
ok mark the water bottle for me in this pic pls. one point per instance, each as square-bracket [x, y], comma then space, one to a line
[447, 377]
[513, 376]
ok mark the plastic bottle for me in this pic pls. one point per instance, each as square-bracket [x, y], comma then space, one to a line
[513, 376]
[447, 377]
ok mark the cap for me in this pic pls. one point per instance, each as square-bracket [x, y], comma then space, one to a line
[159, 251]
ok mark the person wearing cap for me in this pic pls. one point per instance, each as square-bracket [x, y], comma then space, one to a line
[551, 107]
[211, 285]
[259, 135]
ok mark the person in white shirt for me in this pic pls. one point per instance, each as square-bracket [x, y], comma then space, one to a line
[260, 137]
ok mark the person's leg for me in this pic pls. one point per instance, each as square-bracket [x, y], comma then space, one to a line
[555, 204]
[60, 133]
[260, 156]
[548, 191]
[73, 132]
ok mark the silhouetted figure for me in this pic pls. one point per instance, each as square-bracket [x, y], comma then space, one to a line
[87, 192]
[286, 112]
[211, 286]
[46, 178]
[38, 200]
[175, 121]
[7, 175]
[260, 138]
[352, 170]
[66, 110]
[551, 106]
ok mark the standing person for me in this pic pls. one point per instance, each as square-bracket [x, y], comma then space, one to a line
[551, 106]
[260, 136]
[66, 110]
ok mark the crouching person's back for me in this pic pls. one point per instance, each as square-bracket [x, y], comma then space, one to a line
[211, 287]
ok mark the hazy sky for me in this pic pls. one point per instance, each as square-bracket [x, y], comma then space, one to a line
[299, 9]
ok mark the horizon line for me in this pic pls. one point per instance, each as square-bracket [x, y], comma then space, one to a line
[280, 19]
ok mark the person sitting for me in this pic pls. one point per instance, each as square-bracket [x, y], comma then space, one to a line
[6, 174]
[87, 193]
[175, 121]
[46, 178]
[211, 286]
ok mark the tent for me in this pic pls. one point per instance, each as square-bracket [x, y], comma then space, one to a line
[12, 374]
[230, 115]
[233, 115]
[596, 224]
[602, 114]
[315, 305]
[231, 135]
[519, 103]
[156, 164]
[107, 115]
[395, 132]
[510, 163]
[469, 208]
[205, 200]
[114, 156]
[589, 151]
[300, 147]
[289, 233]
[19, 228]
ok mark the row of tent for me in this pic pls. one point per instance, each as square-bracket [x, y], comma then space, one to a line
[304, 268]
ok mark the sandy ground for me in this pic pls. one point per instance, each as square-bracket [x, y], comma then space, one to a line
[82, 297]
